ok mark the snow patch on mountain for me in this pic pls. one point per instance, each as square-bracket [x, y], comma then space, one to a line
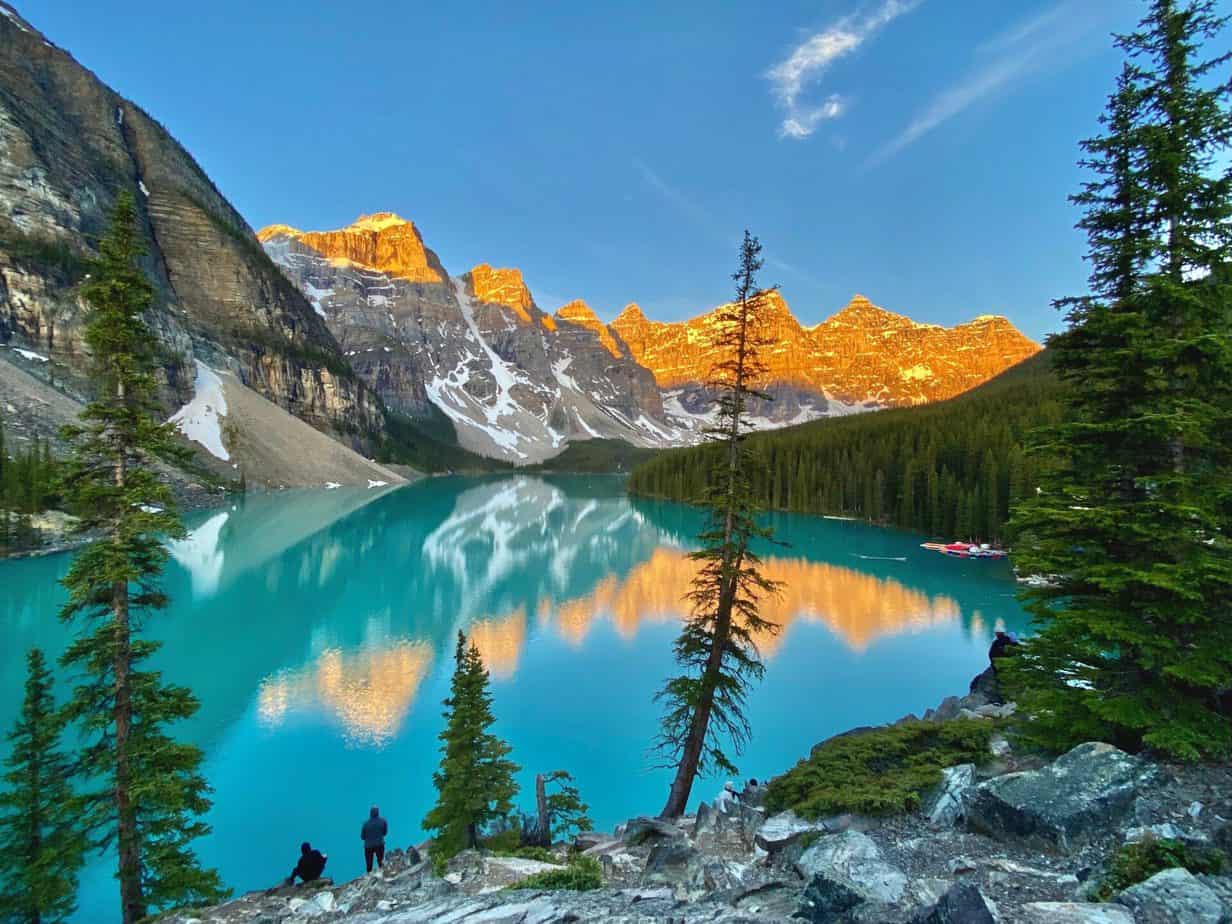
[200, 419]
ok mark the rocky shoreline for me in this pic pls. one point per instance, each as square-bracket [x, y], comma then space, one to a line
[1019, 838]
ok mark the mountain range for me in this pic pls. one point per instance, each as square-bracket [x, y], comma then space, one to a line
[349, 331]
[520, 383]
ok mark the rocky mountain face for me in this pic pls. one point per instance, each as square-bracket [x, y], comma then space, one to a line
[517, 383]
[69, 145]
[863, 356]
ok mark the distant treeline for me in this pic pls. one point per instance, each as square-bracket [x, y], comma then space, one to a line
[27, 486]
[949, 469]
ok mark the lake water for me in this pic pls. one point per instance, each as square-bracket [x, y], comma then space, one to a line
[317, 629]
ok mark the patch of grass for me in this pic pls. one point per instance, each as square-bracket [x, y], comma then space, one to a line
[883, 771]
[581, 875]
[1135, 863]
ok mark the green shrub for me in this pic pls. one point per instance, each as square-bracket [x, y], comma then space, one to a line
[581, 875]
[878, 772]
[502, 843]
[1135, 863]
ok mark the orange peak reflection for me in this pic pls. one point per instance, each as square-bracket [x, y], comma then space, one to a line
[500, 642]
[369, 692]
[858, 607]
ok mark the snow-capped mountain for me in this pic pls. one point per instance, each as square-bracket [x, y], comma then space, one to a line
[520, 384]
[516, 382]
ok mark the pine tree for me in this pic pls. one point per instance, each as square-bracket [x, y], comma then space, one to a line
[474, 784]
[715, 647]
[41, 844]
[1135, 504]
[148, 794]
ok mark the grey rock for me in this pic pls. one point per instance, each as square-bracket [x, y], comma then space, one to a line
[1174, 896]
[588, 839]
[825, 901]
[775, 898]
[963, 903]
[945, 805]
[644, 828]
[669, 862]
[785, 828]
[1087, 791]
[851, 861]
[1072, 913]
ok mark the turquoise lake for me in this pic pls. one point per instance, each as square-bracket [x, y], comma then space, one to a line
[317, 629]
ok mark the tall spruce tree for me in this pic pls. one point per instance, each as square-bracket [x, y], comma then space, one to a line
[148, 794]
[42, 845]
[1135, 502]
[704, 707]
[475, 782]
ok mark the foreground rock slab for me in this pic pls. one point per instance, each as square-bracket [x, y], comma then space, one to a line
[1174, 896]
[1085, 792]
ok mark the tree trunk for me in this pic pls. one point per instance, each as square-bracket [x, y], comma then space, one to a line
[691, 754]
[132, 903]
[542, 835]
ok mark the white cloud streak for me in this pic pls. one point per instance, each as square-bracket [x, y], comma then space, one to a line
[1006, 60]
[809, 60]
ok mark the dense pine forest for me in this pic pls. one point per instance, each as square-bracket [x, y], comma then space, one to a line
[950, 469]
[27, 487]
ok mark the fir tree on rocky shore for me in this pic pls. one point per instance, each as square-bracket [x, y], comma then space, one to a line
[1133, 513]
[145, 794]
[41, 843]
[475, 784]
[704, 706]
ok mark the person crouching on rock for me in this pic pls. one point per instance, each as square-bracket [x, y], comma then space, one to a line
[727, 798]
[373, 835]
[310, 866]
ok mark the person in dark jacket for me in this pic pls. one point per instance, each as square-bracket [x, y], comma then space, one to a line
[373, 835]
[310, 866]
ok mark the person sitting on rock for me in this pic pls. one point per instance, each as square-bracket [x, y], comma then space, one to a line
[373, 835]
[727, 798]
[310, 866]
[1001, 644]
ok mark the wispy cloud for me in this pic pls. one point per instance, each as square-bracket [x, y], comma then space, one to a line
[809, 60]
[1004, 61]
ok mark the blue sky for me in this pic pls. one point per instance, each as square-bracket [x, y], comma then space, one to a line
[917, 151]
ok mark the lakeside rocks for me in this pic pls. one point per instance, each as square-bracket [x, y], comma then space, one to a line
[1018, 840]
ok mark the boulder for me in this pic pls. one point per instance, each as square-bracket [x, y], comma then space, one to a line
[1174, 896]
[644, 828]
[945, 804]
[1083, 793]
[588, 839]
[1073, 913]
[668, 862]
[826, 901]
[773, 899]
[851, 863]
[985, 686]
[962, 903]
[785, 828]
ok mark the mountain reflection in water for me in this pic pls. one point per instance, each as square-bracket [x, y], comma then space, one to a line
[529, 527]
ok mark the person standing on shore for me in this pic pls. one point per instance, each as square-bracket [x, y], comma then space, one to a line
[373, 835]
